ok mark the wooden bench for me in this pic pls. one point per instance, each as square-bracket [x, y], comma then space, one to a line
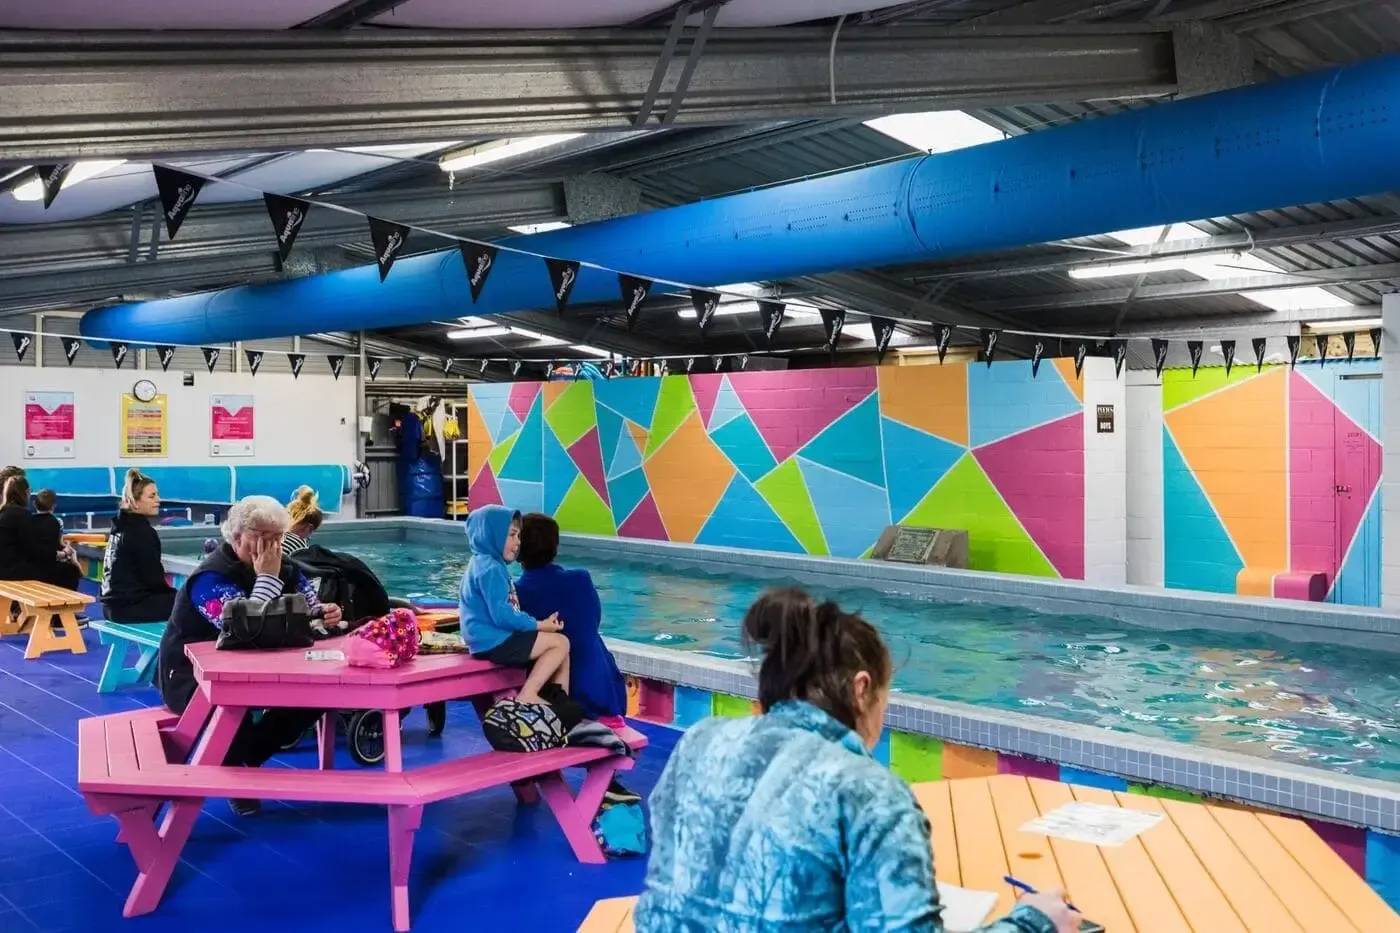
[130, 765]
[38, 605]
[613, 915]
[119, 637]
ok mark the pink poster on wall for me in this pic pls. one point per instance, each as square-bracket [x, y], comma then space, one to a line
[231, 425]
[50, 425]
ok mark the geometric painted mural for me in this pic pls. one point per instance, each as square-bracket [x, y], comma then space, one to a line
[1273, 471]
[813, 461]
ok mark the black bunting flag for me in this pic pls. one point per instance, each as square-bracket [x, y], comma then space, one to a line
[22, 343]
[563, 276]
[1081, 350]
[211, 357]
[478, 259]
[705, 303]
[337, 362]
[1159, 355]
[1321, 341]
[1227, 350]
[410, 366]
[634, 293]
[609, 368]
[514, 368]
[52, 177]
[255, 358]
[833, 321]
[287, 216]
[119, 352]
[374, 363]
[178, 191]
[1349, 341]
[1375, 341]
[1037, 354]
[165, 354]
[689, 363]
[943, 334]
[743, 361]
[1260, 343]
[388, 239]
[296, 361]
[1295, 342]
[484, 364]
[770, 314]
[447, 366]
[1120, 355]
[1194, 348]
[884, 330]
[717, 363]
[988, 338]
[70, 348]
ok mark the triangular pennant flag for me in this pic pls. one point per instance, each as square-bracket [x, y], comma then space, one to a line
[410, 366]
[1120, 355]
[211, 357]
[1259, 343]
[563, 275]
[705, 302]
[717, 363]
[514, 368]
[609, 368]
[337, 362]
[1227, 350]
[478, 258]
[1349, 341]
[1321, 341]
[255, 358]
[833, 322]
[770, 314]
[287, 216]
[70, 348]
[388, 239]
[1295, 343]
[178, 192]
[1159, 355]
[743, 361]
[883, 328]
[634, 293]
[1194, 349]
[663, 367]
[447, 366]
[943, 334]
[1375, 341]
[119, 352]
[1081, 350]
[484, 364]
[165, 354]
[52, 177]
[989, 338]
[296, 361]
[374, 363]
[689, 363]
[22, 344]
[1037, 353]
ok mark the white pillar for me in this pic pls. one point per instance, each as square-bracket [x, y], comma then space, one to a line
[1146, 515]
[1105, 475]
[1390, 439]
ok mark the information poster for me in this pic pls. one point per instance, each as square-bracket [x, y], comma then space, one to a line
[50, 425]
[145, 427]
[231, 425]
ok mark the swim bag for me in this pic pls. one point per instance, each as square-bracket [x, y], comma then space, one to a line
[621, 830]
[522, 727]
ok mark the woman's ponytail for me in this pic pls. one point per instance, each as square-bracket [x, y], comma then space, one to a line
[132, 487]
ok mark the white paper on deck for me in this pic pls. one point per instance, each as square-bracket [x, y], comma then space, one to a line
[1092, 823]
[964, 910]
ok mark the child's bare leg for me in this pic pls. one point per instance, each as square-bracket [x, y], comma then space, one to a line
[551, 652]
[561, 676]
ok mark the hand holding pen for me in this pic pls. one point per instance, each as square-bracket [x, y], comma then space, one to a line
[1053, 904]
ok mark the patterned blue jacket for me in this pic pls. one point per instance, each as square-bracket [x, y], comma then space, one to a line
[783, 823]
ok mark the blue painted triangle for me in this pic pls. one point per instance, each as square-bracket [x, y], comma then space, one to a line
[493, 401]
[609, 430]
[627, 457]
[744, 446]
[627, 490]
[559, 472]
[634, 399]
[852, 513]
[1359, 583]
[914, 463]
[743, 519]
[525, 463]
[509, 424]
[847, 444]
[1355, 397]
[727, 406]
[1004, 399]
[1199, 554]
[523, 497]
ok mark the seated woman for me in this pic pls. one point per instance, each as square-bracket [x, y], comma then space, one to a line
[306, 516]
[783, 822]
[25, 553]
[248, 565]
[134, 588]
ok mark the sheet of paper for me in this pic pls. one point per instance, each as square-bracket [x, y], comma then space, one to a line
[964, 910]
[1092, 823]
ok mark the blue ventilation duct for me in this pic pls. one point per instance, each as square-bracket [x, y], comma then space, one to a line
[1326, 136]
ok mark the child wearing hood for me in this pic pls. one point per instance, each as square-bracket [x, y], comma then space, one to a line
[495, 628]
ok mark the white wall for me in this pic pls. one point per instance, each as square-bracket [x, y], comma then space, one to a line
[1390, 440]
[1146, 521]
[1105, 476]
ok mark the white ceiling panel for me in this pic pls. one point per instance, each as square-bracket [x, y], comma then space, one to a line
[754, 13]
[519, 14]
[158, 14]
[315, 168]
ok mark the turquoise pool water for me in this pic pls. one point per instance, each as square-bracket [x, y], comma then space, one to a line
[1330, 707]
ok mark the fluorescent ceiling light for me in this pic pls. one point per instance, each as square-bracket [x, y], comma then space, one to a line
[591, 351]
[545, 227]
[1150, 236]
[937, 131]
[1341, 327]
[861, 331]
[33, 190]
[479, 333]
[1143, 266]
[750, 289]
[535, 335]
[500, 149]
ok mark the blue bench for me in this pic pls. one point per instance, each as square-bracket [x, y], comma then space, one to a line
[120, 637]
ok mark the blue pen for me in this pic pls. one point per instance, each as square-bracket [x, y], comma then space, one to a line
[1020, 885]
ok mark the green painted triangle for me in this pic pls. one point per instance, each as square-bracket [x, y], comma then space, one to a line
[786, 493]
[583, 511]
[498, 454]
[1180, 387]
[965, 498]
[572, 415]
[673, 405]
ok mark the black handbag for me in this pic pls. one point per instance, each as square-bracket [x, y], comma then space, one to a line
[254, 625]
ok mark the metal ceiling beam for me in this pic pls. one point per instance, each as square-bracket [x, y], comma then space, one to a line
[69, 95]
[574, 330]
[350, 13]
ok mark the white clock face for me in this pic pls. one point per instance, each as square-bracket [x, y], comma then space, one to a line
[145, 390]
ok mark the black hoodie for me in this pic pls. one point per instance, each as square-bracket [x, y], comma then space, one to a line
[132, 570]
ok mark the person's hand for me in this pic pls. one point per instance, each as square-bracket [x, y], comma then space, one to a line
[552, 624]
[331, 615]
[1054, 906]
[267, 557]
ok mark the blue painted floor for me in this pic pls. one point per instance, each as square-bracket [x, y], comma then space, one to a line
[480, 862]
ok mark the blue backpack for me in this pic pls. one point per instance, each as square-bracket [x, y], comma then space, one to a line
[621, 830]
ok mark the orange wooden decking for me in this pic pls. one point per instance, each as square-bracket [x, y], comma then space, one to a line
[1203, 869]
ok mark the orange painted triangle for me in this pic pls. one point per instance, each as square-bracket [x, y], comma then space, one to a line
[1065, 365]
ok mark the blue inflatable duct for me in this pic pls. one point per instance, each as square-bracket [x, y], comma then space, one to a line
[1325, 136]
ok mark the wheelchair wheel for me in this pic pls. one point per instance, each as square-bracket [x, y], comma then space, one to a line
[365, 734]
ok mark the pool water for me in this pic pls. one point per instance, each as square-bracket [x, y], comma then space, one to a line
[1315, 704]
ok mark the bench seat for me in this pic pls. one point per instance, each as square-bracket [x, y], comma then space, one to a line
[119, 637]
[613, 915]
[40, 605]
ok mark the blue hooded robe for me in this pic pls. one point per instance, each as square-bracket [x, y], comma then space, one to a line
[594, 679]
[487, 602]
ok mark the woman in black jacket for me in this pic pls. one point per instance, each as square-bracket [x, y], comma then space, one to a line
[24, 555]
[134, 588]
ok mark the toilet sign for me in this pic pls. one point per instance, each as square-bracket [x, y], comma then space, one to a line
[1105, 419]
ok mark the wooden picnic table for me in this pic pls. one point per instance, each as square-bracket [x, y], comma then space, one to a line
[39, 605]
[1205, 868]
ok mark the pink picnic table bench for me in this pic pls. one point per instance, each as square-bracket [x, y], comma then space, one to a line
[130, 765]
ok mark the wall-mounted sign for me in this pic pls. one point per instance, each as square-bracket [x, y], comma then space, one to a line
[1105, 419]
[50, 426]
[145, 427]
[230, 425]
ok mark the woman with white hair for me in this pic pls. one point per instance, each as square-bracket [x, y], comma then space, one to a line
[248, 565]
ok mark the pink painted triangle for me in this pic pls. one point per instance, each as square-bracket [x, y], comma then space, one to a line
[522, 396]
[587, 455]
[1040, 475]
[644, 522]
[484, 490]
[790, 407]
[1312, 478]
[706, 389]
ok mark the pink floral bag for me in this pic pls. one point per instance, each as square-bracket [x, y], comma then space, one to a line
[385, 642]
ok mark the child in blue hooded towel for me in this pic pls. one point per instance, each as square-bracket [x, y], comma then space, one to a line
[495, 628]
